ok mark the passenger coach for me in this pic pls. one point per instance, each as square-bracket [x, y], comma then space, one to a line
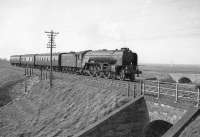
[15, 60]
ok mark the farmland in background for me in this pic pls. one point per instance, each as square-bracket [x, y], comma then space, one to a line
[170, 73]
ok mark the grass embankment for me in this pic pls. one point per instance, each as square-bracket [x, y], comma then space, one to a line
[9, 76]
[73, 103]
[193, 129]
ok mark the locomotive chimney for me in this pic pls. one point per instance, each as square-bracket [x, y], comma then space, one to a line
[124, 49]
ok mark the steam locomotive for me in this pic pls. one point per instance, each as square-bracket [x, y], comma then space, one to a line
[121, 64]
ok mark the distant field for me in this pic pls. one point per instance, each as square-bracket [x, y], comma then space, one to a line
[189, 69]
[171, 72]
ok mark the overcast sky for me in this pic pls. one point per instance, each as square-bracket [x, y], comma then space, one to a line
[160, 31]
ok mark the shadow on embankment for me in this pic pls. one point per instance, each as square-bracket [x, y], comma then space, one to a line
[5, 96]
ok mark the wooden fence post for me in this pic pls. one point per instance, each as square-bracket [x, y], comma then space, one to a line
[176, 92]
[158, 89]
[128, 90]
[198, 97]
[41, 73]
[25, 84]
[143, 88]
[133, 90]
[25, 71]
[30, 71]
[46, 75]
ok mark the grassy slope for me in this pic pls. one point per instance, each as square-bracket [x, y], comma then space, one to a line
[193, 130]
[73, 104]
[9, 76]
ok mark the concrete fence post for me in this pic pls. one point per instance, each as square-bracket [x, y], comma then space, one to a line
[176, 92]
[158, 89]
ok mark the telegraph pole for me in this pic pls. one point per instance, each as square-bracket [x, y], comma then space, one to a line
[51, 44]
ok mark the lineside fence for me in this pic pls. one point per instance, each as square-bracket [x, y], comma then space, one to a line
[174, 91]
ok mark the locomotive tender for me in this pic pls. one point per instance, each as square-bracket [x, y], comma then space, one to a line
[122, 64]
